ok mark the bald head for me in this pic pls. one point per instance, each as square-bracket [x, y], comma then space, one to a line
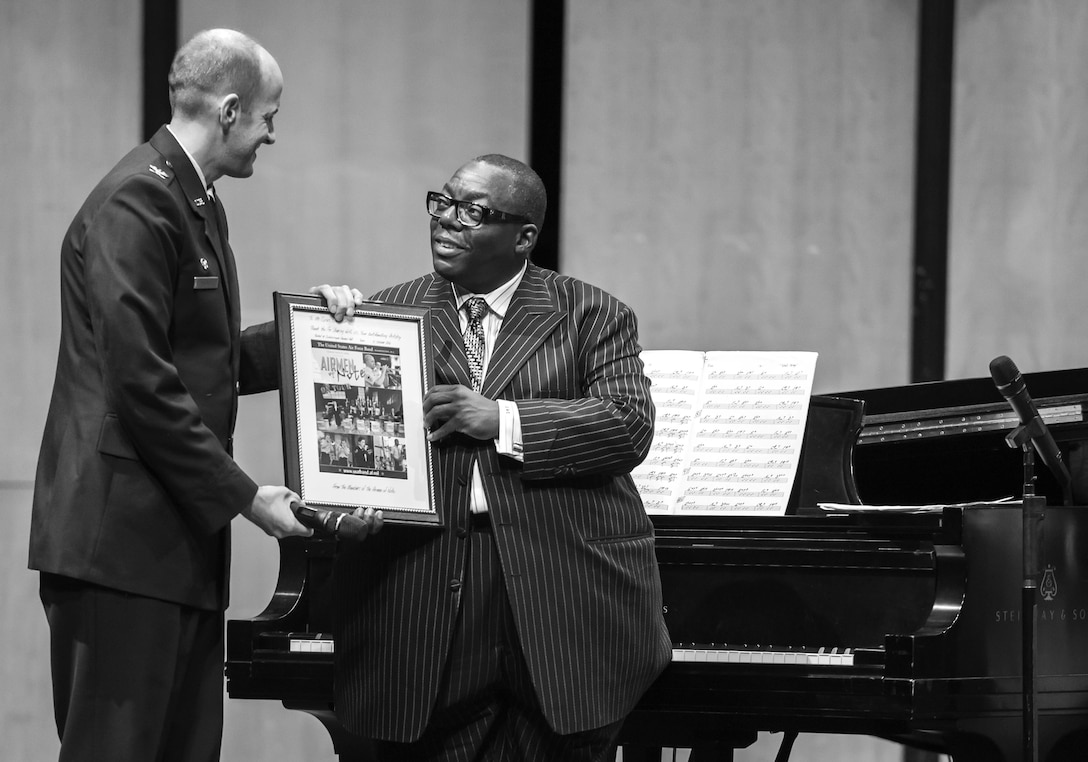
[214, 63]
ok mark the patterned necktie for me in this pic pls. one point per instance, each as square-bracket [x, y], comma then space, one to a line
[474, 339]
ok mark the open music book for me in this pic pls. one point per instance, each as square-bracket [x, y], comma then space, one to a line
[728, 433]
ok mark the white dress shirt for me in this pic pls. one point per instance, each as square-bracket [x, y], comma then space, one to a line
[509, 441]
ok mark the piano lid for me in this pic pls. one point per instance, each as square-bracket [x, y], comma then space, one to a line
[944, 441]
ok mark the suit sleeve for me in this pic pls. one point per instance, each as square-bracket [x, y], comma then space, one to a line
[131, 251]
[609, 429]
[260, 361]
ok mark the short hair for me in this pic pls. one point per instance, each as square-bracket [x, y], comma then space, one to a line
[526, 190]
[214, 62]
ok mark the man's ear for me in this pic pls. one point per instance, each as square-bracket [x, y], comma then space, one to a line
[229, 111]
[526, 240]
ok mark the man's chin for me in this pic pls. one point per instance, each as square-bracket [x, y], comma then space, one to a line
[444, 267]
[240, 172]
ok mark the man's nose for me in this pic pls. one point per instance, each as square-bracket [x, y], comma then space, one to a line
[448, 216]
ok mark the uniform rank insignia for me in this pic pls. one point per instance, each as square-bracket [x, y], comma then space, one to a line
[157, 171]
[198, 201]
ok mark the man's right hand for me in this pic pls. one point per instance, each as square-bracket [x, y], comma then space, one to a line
[271, 511]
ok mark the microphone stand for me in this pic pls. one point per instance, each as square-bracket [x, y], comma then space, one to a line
[1032, 553]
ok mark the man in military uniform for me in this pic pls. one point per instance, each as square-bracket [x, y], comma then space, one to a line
[136, 485]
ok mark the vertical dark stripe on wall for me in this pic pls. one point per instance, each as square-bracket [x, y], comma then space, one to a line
[932, 177]
[160, 42]
[547, 35]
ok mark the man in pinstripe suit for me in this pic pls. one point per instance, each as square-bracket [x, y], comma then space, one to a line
[529, 625]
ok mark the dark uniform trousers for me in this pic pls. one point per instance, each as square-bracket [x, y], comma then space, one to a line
[135, 679]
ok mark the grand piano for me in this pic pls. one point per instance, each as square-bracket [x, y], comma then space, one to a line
[900, 624]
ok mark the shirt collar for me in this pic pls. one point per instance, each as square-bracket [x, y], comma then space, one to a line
[498, 300]
[199, 172]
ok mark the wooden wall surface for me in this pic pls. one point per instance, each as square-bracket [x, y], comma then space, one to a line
[1019, 222]
[69, 85]
[740, 172]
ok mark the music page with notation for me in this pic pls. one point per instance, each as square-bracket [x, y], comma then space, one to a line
[728, 432]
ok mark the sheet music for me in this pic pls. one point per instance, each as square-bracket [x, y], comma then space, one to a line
[728, 431]
[929, 508]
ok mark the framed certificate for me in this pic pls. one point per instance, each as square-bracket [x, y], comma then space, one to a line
[351, 398]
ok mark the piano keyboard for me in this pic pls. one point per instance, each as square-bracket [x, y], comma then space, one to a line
[315, 645]
[297, 642]
[821, 657]
[320, 643]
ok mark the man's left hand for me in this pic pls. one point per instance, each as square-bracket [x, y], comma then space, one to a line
[341, 300]
[450, 408]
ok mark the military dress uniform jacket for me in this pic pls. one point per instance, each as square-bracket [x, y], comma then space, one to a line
[136, 485]
[575, 542]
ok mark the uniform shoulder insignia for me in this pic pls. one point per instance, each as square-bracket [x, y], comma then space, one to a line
[163, 175]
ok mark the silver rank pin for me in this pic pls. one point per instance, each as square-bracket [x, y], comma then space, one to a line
[198, 201]
[204, 263]
[157, 171]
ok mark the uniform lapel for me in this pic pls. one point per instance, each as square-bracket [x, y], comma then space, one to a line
[165, 143]
[532, 317]
[230, 271]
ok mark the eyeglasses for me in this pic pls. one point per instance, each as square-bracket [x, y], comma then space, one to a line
[468, 214]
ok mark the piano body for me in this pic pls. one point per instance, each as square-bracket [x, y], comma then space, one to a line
[894, 624]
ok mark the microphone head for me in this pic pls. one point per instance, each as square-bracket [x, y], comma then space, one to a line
[1003, 370]
[352, 529]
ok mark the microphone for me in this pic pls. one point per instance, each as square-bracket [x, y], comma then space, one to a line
[1011, 385]
[343, 525]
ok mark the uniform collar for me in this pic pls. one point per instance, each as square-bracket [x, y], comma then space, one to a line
[199, 171]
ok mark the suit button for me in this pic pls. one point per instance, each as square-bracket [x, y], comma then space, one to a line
[455, 585]
[462, 533]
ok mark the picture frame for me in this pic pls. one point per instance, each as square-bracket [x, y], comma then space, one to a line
[351, 400]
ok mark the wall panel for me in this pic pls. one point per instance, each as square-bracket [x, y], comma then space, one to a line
[69, 82]
[69, 85]
[741, 174]
[1019, 223]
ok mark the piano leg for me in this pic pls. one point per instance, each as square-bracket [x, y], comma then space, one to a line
[348, 747]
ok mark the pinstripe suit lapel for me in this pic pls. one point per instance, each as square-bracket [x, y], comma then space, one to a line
[451, 366]
[532, 317]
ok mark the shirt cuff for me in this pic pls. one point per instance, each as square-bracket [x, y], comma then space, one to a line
[509, 441]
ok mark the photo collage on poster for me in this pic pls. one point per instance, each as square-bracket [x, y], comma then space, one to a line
[360, 415]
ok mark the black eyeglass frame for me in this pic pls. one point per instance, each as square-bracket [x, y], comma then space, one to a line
[489, 215]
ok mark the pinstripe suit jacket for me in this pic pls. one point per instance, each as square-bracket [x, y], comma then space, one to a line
[576, 545]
